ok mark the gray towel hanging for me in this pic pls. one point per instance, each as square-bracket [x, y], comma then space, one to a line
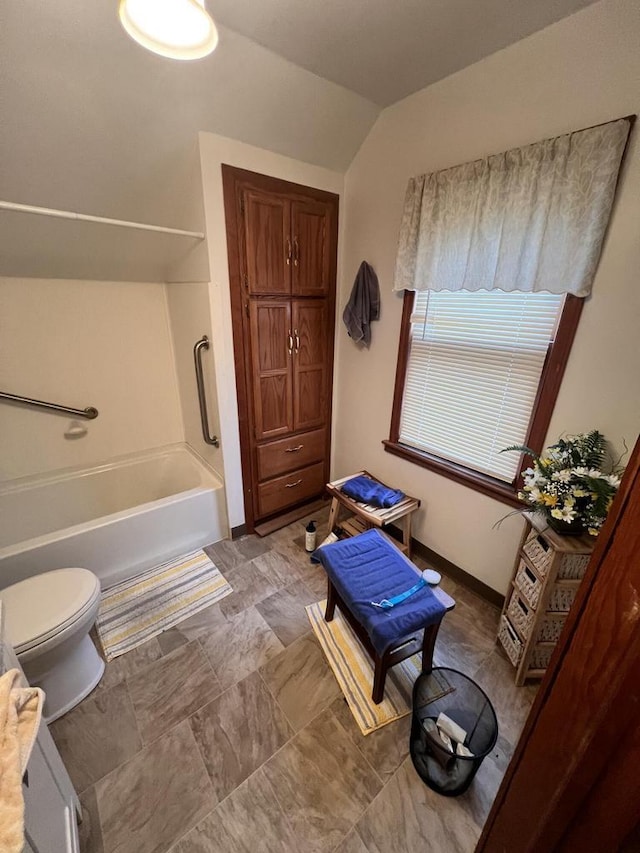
[363, 305]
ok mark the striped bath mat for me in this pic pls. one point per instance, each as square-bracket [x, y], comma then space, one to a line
[146, 605]
[353, 669]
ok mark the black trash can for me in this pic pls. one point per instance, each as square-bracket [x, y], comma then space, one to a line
[449, 692]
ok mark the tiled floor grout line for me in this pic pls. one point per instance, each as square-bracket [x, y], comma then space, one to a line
[204, 817]
[296, 563]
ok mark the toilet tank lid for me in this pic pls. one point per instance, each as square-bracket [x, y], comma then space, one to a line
[37, 606]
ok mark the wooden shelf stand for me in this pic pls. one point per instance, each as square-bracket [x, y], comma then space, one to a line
[547, 574]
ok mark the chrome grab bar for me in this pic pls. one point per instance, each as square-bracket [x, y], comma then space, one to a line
[89, 413]
[203, 343]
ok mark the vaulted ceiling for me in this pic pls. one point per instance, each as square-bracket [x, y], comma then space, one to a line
[89, 121]
[385, 50]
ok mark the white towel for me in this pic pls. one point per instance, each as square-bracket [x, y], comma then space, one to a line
[20, 713]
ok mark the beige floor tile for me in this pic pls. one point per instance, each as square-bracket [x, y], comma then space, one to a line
[128, 664]
[385, 749]
[322, 782]
[250, 586]
[461, 644]
[250, 820]
[89, 830]
[285, 614]
[97, 736]
[511, 703]
[238, 732]
[171, 689]
[226, 555]
[200, 623]
[407, 817]
[301, 681]
[314, 577]
[278, 568]
[279, 791]
[155, 798]
[352, 844]
[243, 644]
[477, 801]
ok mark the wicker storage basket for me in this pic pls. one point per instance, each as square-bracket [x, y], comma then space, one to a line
[520, 614]
[539, 552]
[541, 656]
[510, 641]
[573, 566]
[561, 599]
[529, 584]
[550, 630]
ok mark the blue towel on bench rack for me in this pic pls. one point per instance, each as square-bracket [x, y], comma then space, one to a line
[368, 491]
[368, 568]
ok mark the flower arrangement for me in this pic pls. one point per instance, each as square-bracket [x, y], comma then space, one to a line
[567, 484]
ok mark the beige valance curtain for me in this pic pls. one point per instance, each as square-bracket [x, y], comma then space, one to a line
[529, 219]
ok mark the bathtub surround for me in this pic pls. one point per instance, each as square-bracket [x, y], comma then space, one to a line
[576, 73]
[190, 319]
[116, 519]
[105, 344]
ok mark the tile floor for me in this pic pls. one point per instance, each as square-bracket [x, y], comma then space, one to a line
[228, 733]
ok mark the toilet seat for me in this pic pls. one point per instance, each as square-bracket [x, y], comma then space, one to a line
[43, 606]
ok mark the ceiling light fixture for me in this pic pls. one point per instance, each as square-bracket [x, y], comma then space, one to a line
[178, 29]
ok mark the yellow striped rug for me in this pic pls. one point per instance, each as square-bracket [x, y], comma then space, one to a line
[144, 606]
[353, 669]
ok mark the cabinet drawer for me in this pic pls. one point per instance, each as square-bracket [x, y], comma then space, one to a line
[287, 454]
[290, 489]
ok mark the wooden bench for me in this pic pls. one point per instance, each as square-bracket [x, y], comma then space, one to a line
[420, 639]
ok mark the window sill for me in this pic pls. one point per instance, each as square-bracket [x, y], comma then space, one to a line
[465, 476]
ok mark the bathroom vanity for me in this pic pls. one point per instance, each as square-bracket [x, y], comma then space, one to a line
[51, 804]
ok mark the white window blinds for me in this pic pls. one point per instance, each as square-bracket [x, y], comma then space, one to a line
[473, 371]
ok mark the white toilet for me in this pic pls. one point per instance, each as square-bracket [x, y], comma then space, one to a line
[48, 618]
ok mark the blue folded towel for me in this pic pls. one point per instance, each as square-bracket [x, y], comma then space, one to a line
[369, 568]
[369, 491]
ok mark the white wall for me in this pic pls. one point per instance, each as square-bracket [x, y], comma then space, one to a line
[190, 319]
[578, 72]
[215, 150]
[85, 343]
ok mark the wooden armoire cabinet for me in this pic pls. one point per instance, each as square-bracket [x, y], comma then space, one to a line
[282, 246]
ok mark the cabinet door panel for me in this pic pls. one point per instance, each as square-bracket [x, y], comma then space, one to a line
[267, 224]
[271, 375]
[310, 363]
[310, 228]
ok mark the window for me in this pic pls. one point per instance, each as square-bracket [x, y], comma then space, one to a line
[477, 372]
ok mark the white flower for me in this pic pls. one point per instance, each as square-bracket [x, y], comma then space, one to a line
[613, 480]
[562, 476]
[556, 513]
[568, 514]
[534, 494]
[581, 471]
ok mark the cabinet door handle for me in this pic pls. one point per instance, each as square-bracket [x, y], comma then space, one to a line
[296, 252]
[294, 449]
[291, 485]
[288, 251]
[297, 337]
[290, 343]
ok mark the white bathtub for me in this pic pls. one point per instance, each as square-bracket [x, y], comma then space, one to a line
[116, 519]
